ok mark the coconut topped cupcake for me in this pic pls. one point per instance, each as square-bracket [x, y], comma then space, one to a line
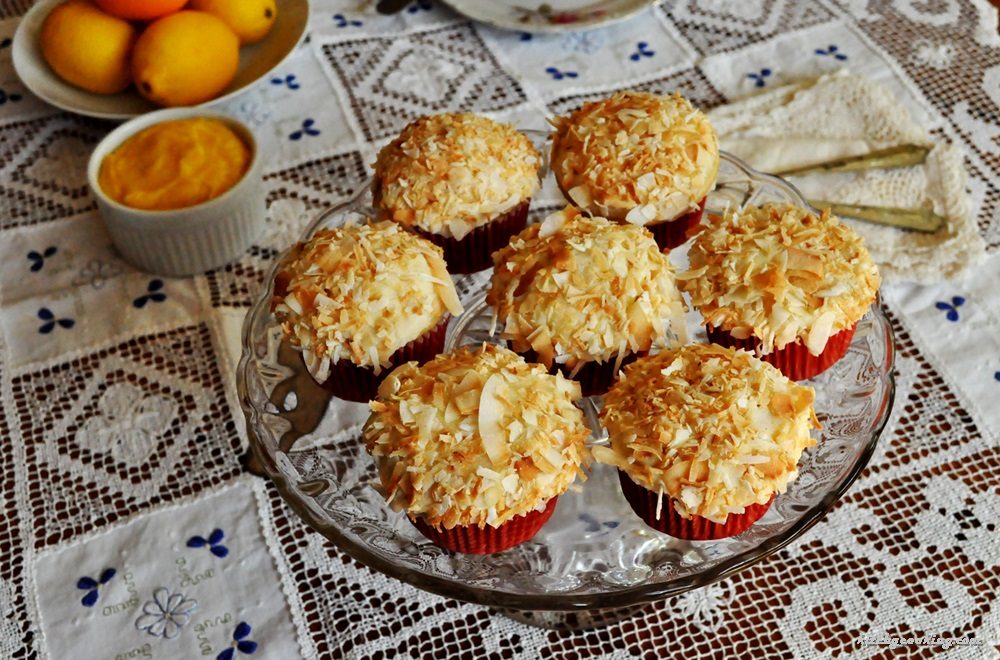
[716, 430]
[577, 289]
[475, 437]
[450, 173]
[780, 273]
[359, 293]
[636, 157]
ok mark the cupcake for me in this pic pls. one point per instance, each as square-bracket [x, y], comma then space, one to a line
[640, 158]
[584, 295]
[783, 282]
[476, 446]
[359, 299]
[704, 437]
[462, 181]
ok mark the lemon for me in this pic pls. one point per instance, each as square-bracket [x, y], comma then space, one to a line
[251, 20]
[88, 48]
[185, 59]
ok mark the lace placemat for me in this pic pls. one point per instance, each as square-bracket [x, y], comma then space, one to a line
[116, 387]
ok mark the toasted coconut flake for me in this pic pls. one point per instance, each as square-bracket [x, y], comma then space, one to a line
[521, 445]
[450, 173]
[780, 273]
[636, 157]
[714, 429]
[491, 413]
[552, 223]
[361, 292]
[587, 290]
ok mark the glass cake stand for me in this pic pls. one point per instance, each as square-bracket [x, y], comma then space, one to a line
[594, 562]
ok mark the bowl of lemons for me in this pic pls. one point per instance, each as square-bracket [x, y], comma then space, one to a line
[117, 59]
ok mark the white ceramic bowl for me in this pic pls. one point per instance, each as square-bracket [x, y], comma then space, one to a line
[188, 240]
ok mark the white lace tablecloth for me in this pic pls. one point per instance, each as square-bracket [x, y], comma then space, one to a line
[130, 528]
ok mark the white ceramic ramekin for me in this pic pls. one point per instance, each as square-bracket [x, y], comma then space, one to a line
[189, 240]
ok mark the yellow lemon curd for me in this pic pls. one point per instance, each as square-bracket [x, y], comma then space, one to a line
[174, 165]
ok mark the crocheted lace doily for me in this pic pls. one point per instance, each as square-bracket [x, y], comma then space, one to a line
[844, 115]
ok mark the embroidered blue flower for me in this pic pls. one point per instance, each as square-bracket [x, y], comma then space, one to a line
[214, 543]
[642, 50]
[420, 5]
[594, 526]
[13, 97]
[308, 128]
[759, 78]
[833, 51]
[38, 259]
[92, 586]
[289, 81]
[951, 308]
[154, 293]
[559, 75]
[240, 643]
[342, 21]
[166, 614]
[50, 321]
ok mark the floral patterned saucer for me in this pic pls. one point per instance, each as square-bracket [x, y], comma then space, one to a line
[552, 16]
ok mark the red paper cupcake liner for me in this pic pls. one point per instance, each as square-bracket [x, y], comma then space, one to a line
[474, 540]
[794, 360]
[474, 251]
[355, 383]
[595, 378]
[644, 502]
[676, 232]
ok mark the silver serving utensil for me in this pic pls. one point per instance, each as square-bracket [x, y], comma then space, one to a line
[903, 155]
[923, 219]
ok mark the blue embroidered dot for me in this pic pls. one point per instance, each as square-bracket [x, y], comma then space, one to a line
[92, 586]
[642, 50]
[13, 97]
[526, 36]
[759, 78]
[240, 643]
[308, 128]
[996, 376]
[342, 21]
[214, 543]
[831, 51]
[289, 81]
[154, 293]
[38, 259]
[951, 308]
[420, 5]
[50, 321]
[559, 75]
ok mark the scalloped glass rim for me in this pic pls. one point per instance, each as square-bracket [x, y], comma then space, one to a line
[265, 449]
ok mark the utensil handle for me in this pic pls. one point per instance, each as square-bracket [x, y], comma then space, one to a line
[904, 155]
[924, 220]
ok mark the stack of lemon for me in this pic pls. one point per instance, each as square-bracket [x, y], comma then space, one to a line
[177, 52]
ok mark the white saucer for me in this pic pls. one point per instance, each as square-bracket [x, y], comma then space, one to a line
[551, 16]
